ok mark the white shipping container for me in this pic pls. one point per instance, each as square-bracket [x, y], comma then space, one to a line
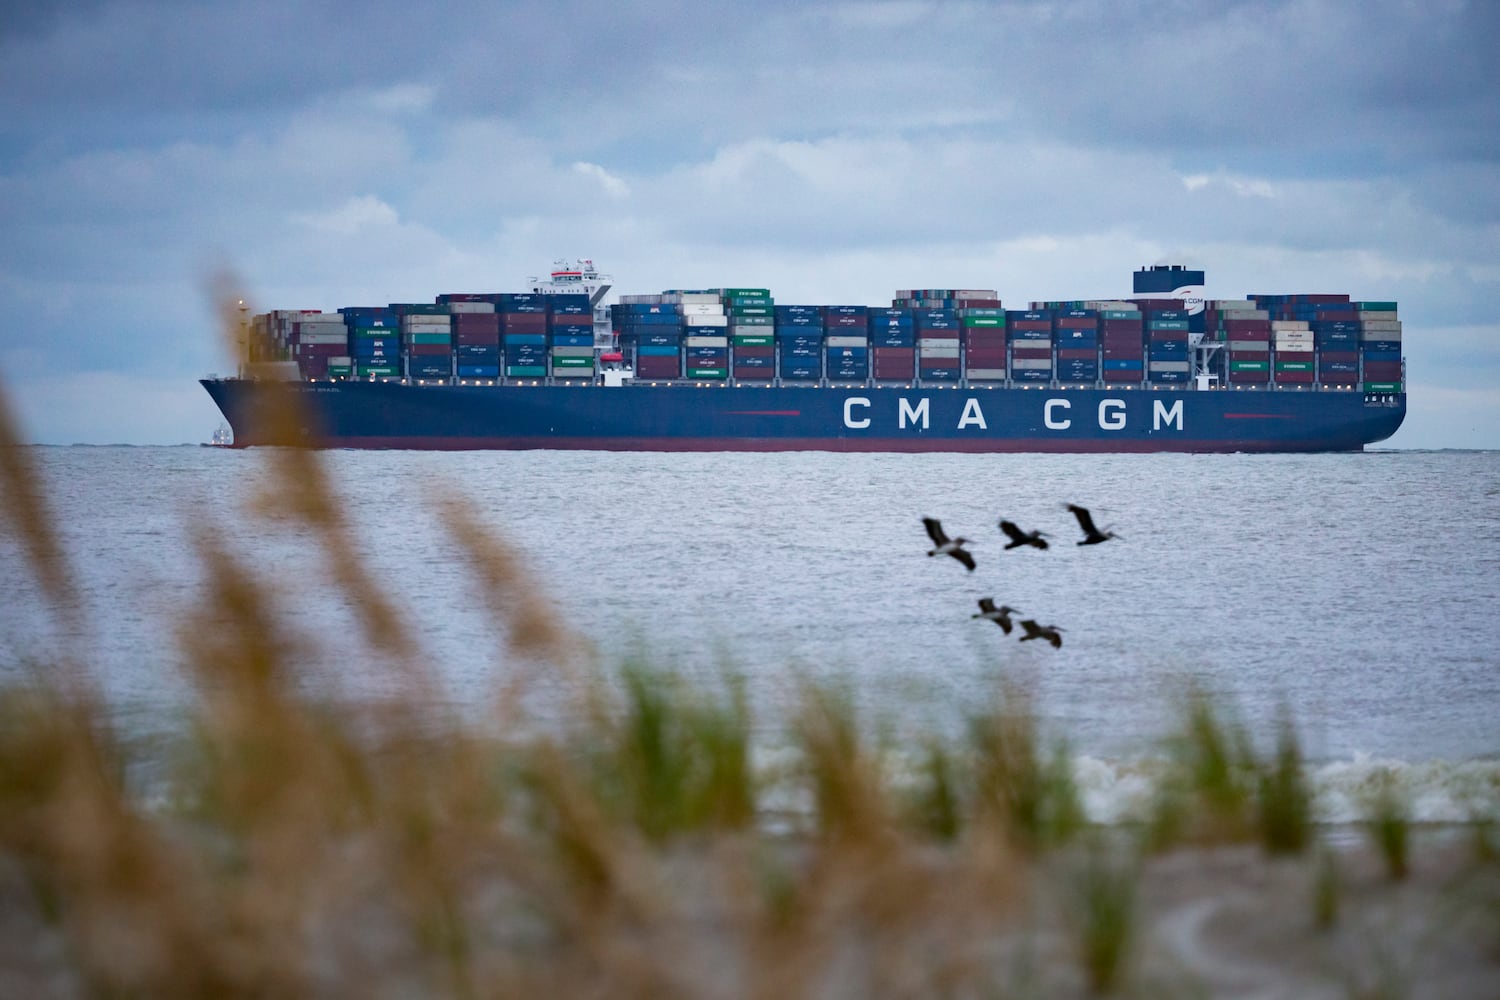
[642, 300]
[986, 374]
[1167, 366]
[1391, 335]
[1249, 345]
[1295, 338]
[1377, 315]
[706, 341]
[341, 361]
[1031, 364]
[690, 298]
[691, 309]
[1234, 305]
[976, 293]
[1382, 326]
[720, 320]
[323, 338]
[426, 328]
[572, 352]
[1289, 325]
[846, 341]
[471, 307]
[943, 342]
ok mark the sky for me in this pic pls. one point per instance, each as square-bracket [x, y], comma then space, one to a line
[332, 153]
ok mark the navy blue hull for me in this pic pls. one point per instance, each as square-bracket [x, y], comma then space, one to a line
[741, 418]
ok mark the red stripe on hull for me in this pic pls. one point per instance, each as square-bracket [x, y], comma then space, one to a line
[907, 445]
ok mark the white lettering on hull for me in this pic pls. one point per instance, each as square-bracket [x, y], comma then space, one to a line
[1163, 417]
[1053, 422]
[1112, 414]
[972, 415]
[913, 414]
[849, 405]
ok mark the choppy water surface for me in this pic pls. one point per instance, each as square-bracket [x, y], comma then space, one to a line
[1361, 590]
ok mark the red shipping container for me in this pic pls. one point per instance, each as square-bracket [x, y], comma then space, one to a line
[1246, 326]
[1032, 324]
[1249, 376]
[1121, 326]
[980, 304]
[761, 374]
[1343, 315]
[895, 370]
[754, 351]
[1133, 352]
[1306, 376]
[1031, 353]
[477, 338]
[1076, 354]
[893, 353]
[1121, 338]
[476, 322]
[1382, 371]
[987, 357]
[656, 367]
[979, 337]
[1160, 335]
[1346, 357]
[1077, 322]
[523, 322]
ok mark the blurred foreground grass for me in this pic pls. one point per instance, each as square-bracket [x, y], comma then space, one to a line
[315, 848]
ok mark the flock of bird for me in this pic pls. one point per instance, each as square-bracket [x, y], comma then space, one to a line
[945, 546]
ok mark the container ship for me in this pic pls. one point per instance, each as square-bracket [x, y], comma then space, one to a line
[733, 369]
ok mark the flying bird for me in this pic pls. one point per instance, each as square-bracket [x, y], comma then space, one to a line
[1000, 616]
[1091, 534]
[945, 546]
[1036, 539]
[1049, 632]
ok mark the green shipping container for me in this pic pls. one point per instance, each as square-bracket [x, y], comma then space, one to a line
[1375, 307]
[754, 340]
[742, 301]
[708, 373]
[1120, 314]
[1382, 387]
[735, 293]
[752, 321]
[1294, 366]
[428, 338]
[567, 362]
[1248, 366]
[984, 321]
[380, 371]
[526, 371]
[736, 312]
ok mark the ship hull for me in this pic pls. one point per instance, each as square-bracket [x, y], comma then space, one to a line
[765, 418]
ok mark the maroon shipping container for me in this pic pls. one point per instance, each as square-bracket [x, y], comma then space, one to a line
[1264, 376]
[321, 350]
[754, 351]
[1159, 335]
[1109, 326]
[893, 353]
[896, 370]
[523, 322]
[1246, 326]
[986, 357]
[985, 337]
[1077, 354]
[979, 304]
[1343, 315]
[1132, 352]
[1249, 355]
[476, 322]
[1339, 378]
[1032, 324]
[1031, 353]
[1293, 377]
[1382, 371]
[477, 338]
[427, 350]
[1346, 357]
[1121, 339]
[755, 374]
[1077, 322]
[466, 297]
[657, 367]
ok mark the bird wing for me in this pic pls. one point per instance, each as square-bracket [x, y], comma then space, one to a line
[935, 530]
[987, 605]
[964, 558]
[1013, 530]
[1032, 630]
[1085, 519]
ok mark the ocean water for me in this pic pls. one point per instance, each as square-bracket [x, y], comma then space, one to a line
[1359, 592]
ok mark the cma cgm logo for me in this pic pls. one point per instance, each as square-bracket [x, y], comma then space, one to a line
[1057, 414]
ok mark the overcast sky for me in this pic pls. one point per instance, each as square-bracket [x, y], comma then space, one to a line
[361, 153]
